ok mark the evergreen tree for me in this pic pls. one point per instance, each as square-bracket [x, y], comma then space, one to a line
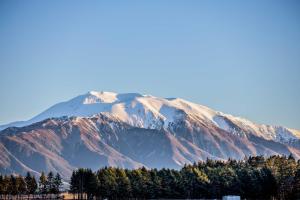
[155, 185]
[1, 187]
[83, 181]
[43, 184]
[165, 189]
[20, 185]
[268, 184]
[12, 187]
[195, 182]
[296, 185]
[107, 182]
[57, 184]
[79, 182]
[50, 188]
[28, 181]
[91, 184]
[74, 184]
[31, 185]
[277, 177]
[6, 183]
[123, 184]
[284, 170]
[248, 182]
[138, 183]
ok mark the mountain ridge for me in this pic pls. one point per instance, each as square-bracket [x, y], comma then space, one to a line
[133, 130]
[162, 111]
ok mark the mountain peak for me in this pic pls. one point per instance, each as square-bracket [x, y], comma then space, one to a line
[133, 130]
[147, 111]
[96, 93]
[109, 97]
[99, 97]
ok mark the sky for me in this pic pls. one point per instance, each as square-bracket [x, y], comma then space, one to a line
[238, 57]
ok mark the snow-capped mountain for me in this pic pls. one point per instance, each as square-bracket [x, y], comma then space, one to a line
[143, 111]
[146, 111]
[131, 130]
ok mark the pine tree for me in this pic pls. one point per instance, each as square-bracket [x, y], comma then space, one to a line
[32, 186]
[20, 185]
[195, 182]
[1, 187]
[83, 181]
[50, 184]
[296, 185]
[6, 183]
[284, 170]
[268, 184]
[43, 185]
[277, 177]
[74, 184]
[12, 187]
[155, 186]
[107, 182]
[57, 182]
[137, 183]
[123, 184]
[145, 181]
[28, 182]
[91, 183]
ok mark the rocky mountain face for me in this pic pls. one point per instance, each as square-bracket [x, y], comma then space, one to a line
[100, 129]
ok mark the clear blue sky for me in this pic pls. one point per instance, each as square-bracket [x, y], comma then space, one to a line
[239, 57]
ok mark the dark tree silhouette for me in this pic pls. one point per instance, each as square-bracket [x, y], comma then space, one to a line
[31, 185]
[43, 185]
[276, 177]
[57, 184]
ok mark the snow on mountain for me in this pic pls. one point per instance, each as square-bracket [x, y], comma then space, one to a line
[131, 130]
[276, 133]
[139, 110]
[146, 111]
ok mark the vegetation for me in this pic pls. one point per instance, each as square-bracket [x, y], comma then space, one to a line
[28, 188]
[277, 177]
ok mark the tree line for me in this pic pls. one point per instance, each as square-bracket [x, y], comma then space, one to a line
[19, 187]
[276, 177]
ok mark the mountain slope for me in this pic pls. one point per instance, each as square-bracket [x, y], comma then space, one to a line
[146, 111]
[133, 130]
